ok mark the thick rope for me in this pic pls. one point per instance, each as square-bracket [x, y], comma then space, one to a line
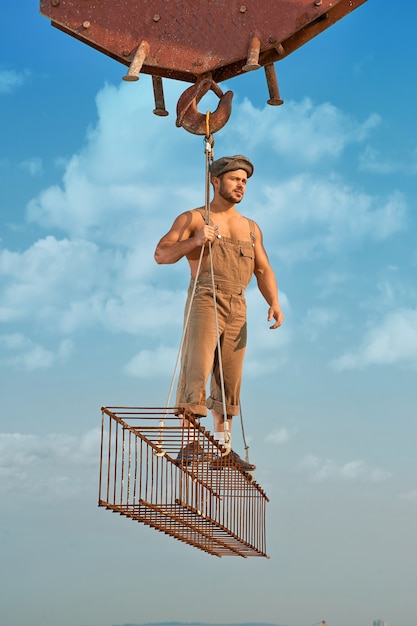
[160, 442]
[187, 318]
[209, 150]
[245, 445]
[209, 142]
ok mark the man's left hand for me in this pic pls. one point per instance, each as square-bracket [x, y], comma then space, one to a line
[276, 314]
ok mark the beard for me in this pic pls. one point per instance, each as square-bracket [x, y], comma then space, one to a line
[226, 195]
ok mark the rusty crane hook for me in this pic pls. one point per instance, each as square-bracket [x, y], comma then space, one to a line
[191, 119]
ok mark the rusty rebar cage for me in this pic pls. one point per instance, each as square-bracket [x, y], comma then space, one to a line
[221, 512]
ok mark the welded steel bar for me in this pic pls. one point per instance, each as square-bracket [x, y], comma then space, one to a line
[220, 512]
[272, 82]
[252, 61]
[137, 62]
[158, 92]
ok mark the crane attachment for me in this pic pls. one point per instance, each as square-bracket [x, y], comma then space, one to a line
[197, 42]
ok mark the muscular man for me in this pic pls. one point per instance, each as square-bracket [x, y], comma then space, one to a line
[237, 252]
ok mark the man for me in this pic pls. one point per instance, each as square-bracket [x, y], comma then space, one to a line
[235, 246]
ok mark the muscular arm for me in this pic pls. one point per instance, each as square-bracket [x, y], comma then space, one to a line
[183, 238]
[267, 283]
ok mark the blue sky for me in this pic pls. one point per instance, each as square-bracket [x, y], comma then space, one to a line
[90, 179]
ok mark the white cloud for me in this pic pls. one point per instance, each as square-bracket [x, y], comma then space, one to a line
[266, 349]
[26, 461]
[114, 190]
[120, 182]
[409, 496]
[320, 470]
[33, 166]
[38, 281]
[327, 216]
[141, 310]
[278, 436]
[319, 319]
[372, 161]
[391, 340]
[305, 132]
[69, 285]
[152, 363]
[26, 355]
[133, 175]
[331, 279]
[11, 80]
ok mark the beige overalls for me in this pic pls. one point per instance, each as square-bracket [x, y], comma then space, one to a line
[233, 267]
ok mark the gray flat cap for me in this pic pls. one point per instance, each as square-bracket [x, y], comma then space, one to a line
[231, 163]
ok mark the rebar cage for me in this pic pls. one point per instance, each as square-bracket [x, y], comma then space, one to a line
[220, 511]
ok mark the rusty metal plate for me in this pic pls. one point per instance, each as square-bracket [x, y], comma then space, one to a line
[187, 39]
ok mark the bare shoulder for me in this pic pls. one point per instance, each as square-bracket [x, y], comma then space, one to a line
[184, 225]
[190, 220]
[198, 215]
[190, 217]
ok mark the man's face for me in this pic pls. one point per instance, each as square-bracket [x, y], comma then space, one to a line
[232, 186]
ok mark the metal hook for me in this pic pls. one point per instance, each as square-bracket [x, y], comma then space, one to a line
[191, 119]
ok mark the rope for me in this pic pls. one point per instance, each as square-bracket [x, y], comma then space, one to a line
[245, 445]
[187, 317]
[209, 151]
[209, 144]
[161, 442]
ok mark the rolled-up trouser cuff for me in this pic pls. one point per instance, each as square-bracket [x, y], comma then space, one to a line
[199, 410]
[216, 405]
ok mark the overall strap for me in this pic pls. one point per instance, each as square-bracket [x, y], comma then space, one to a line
[252, 229]
[203, 214]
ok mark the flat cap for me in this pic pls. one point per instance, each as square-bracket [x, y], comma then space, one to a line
[231, 163]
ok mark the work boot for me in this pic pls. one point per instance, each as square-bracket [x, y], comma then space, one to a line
[231, 459]
[192, 452]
